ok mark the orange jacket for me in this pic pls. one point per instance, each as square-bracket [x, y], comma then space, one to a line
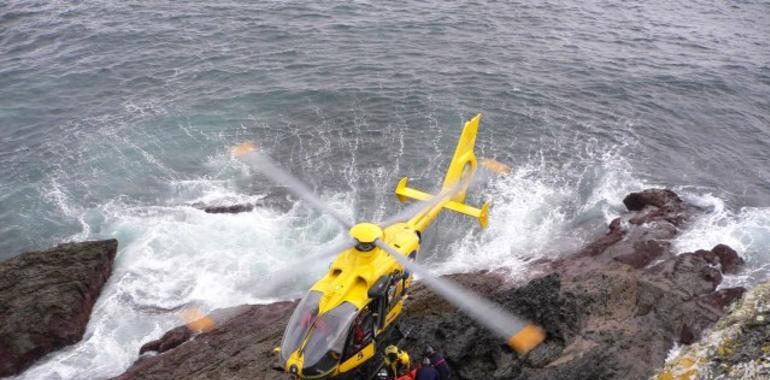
[409, 375]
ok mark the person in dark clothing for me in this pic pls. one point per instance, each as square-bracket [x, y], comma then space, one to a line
[426, 372]
[438, 362]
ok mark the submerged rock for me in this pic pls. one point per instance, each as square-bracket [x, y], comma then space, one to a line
[612, 310]
[46, 299]
[229, 209]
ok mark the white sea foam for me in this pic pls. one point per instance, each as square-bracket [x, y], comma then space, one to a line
[747, 230]
[541, 211]
[175, 255]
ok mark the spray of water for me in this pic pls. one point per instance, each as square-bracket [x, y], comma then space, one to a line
[248, 153]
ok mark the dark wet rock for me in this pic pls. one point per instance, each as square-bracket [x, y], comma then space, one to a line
[644, 252]
[641, 237]
[659, 198]
[728, 258]
[46, 299]
[722, 298]
[240, 347]
[613, 309]
[609, 321]
[276, 199]
[229, 209]
[169, 340]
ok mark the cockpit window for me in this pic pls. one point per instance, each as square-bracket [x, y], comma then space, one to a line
[329, 333]
[299, 323]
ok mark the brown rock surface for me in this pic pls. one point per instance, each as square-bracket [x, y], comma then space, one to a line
[46, 299]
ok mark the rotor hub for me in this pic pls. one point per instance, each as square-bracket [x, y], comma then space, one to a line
[365, 234]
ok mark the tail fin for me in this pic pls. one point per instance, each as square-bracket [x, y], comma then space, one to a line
[463, 166]
[464, 161]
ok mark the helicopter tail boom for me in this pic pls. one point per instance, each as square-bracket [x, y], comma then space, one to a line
[461, 170]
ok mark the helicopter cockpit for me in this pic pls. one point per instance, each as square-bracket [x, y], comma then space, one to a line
[320, 339]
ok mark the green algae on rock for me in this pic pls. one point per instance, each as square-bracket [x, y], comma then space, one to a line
[737, 347]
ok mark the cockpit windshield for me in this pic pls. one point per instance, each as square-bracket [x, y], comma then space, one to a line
[299, 323]
[329, 333]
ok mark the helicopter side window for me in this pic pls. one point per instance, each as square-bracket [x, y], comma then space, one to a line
[361, 333]
[412, 257]
[392, 294]
[299, 324]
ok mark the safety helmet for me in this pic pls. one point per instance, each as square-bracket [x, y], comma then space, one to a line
[429, 350]
[391, 352]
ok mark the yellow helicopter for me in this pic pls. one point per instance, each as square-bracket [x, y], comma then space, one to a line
[335, 327]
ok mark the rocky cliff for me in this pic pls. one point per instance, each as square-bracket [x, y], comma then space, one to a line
[737, 347]
[46, 299]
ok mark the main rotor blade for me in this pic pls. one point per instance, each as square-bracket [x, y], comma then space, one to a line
[298, 268]
[519, 334]
[249, 154]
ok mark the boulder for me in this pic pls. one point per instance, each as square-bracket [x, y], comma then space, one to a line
[659, 198]
[46, 299]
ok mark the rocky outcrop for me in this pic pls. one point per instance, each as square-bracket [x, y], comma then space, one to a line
[611, 322]
[737, 347]
[240, 347]
[612, 310]
[46, 299]
[228, 209]
[276, 199]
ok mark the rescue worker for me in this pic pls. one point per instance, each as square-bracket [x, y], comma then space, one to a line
[426, 371]
[396, 361]
[437, 361]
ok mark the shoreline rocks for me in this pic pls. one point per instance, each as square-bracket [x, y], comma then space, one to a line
[611, 310]
[737, 347]
[46, 299]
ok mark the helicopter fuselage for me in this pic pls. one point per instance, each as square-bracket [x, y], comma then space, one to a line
[335, 327]
[373, 285]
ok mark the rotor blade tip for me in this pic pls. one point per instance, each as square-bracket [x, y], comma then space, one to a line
[196, 321]
[527, 338]
[243, 149]
[495, 166]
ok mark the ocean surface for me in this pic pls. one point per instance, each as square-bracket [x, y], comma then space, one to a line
[116, 118]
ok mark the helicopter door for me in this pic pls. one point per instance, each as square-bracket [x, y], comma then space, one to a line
[361, 333]
[388, 293]
[379, 304]
[393, 292]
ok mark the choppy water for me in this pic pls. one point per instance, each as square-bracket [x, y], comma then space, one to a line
[115, 117]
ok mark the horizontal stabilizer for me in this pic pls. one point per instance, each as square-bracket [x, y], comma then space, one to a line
[403, 193]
